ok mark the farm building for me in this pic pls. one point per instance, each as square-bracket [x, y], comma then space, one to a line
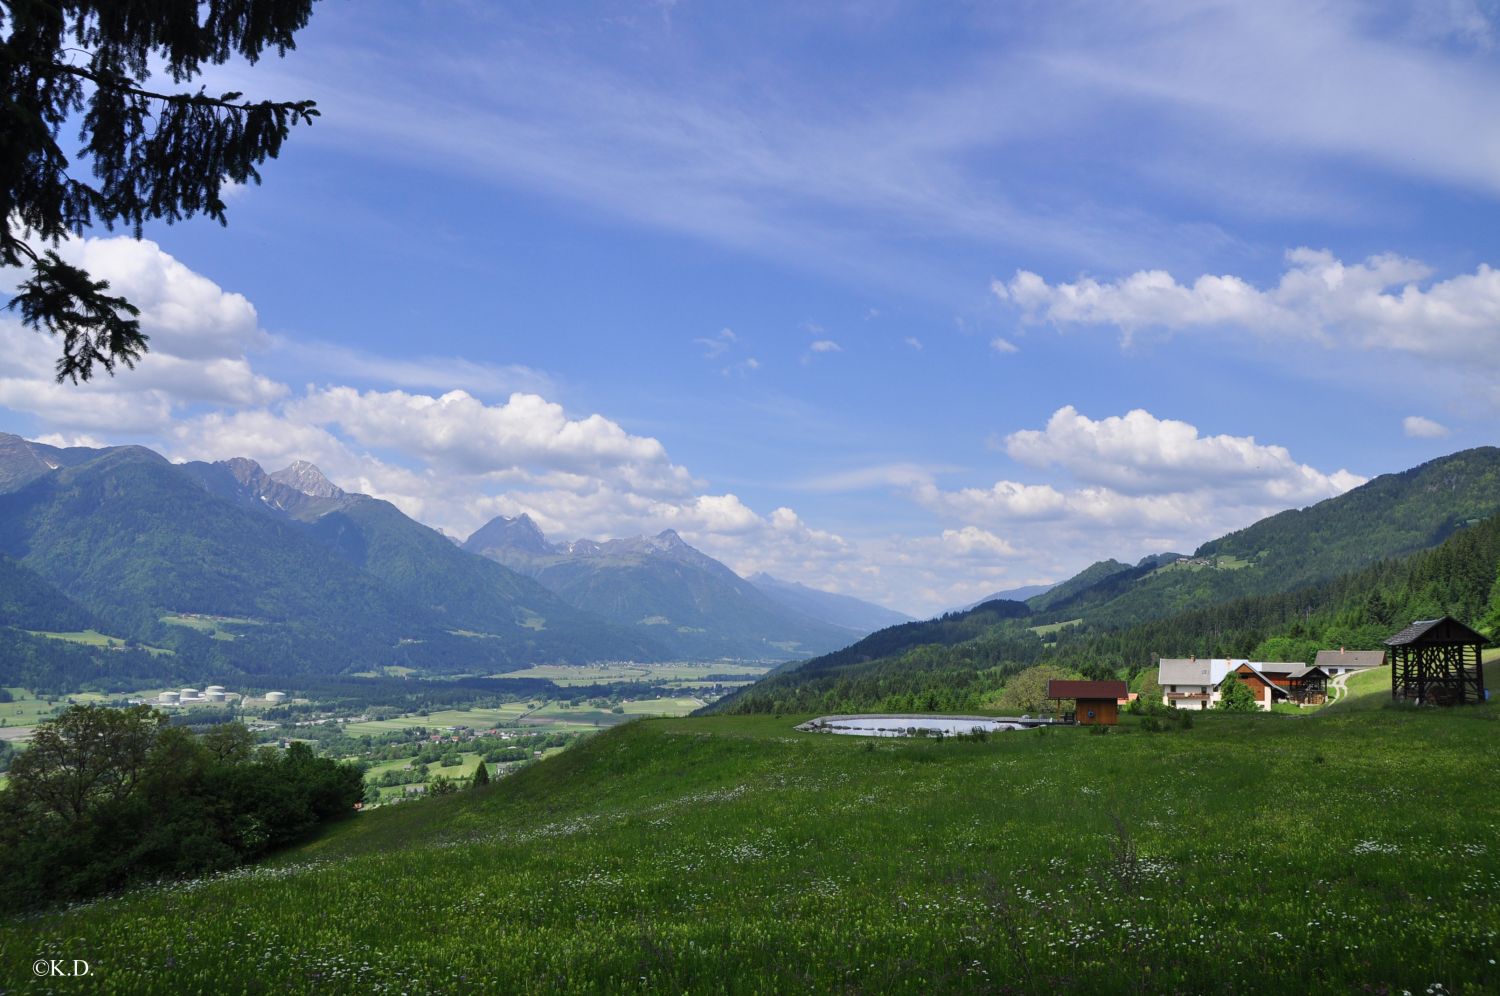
[1437, 661]
[1304, 685]
[1097, 701]
[1342, 661]
[1192, 682]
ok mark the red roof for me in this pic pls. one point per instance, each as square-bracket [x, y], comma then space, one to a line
[1059, 689]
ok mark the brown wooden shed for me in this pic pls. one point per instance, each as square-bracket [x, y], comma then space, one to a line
[1098, 701]
[1438, 662]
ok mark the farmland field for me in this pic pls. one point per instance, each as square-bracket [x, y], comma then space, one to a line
[215, 626]
[93, 638]
[664, 674]
[735, 854]
[543, 717]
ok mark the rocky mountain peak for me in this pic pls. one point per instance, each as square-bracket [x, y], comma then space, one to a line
[308, 479]
[504, 533]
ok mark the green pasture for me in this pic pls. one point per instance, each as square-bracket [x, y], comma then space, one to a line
[1349, 850]
[1053, 627]
[215, 626]
[28, 710]
[94, 638]
[568, 675]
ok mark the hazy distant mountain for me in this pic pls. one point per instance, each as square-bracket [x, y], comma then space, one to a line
[321, 580]
[663, 587]
[839, 610]
[1020, 594]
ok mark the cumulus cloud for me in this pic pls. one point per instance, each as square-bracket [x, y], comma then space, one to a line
[1138, 453]
[1141, 485]
[1386, 302]
[973, 541]
[1002, 345]
[1417, 427]
[200, 340]
[459, 432]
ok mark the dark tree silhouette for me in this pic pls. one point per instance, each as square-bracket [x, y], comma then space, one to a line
[481, 775]
[154, 155]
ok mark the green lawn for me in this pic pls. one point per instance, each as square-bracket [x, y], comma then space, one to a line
[1351, 850]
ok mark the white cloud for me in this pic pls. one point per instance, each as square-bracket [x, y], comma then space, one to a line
[1380, 303]
[913, 342]
[715, 347]
[1144, 485]
[1138, 453]
[458, 432]
[1418, 427]
[200, 340]
[973, 541]
[826, 346]
[1002, 345]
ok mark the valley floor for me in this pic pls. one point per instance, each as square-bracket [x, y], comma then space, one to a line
[1353, 849]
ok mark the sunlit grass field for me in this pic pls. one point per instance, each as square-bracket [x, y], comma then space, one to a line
[541, 717]
[1354, 849]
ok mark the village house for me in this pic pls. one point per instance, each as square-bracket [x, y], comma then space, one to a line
[1341, 661]
[1192, 682]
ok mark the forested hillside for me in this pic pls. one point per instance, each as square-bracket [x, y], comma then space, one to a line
[916, 670]
[1390, 516]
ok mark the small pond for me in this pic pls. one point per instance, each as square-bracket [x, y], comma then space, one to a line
[913, 726]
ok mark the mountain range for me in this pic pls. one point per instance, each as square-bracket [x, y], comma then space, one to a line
[224, 567]
[677, 596]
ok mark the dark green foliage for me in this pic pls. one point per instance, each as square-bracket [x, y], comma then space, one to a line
[1235, 696]
[154, 155]
[481, 775]
[106, 797]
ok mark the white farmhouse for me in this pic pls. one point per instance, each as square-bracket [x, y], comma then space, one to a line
[1192, 682]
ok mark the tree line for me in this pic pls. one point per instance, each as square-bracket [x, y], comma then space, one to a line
[103, 798]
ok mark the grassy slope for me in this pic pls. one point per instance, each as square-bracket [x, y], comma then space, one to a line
[1261, 853]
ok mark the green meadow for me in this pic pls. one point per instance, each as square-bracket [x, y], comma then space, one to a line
[535, 717]
[94, 638]
[679, 674]
[1350, 849]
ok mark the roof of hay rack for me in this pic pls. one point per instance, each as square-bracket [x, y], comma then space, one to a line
[1446, 631]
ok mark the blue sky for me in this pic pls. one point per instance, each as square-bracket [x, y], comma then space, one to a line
[911, 301]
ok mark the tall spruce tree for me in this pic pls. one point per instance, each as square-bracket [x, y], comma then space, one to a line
[153, 155]
[481, 775]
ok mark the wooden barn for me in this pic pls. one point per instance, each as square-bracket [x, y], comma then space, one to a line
[1261, 685]
[1437, 662]
[1098, 702]
[1304, 685]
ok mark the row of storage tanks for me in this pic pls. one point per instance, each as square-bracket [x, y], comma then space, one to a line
[213, 693]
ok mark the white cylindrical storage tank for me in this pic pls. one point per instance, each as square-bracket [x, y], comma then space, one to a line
[189, 693]
[215, 696]
[167, 698]
[214, 689]
[276, 696]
